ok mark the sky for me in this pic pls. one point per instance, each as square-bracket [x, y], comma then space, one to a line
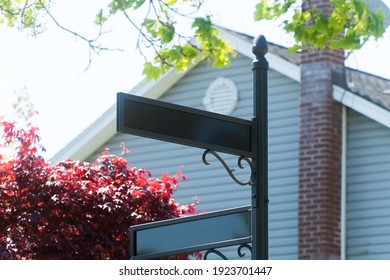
[52, 66]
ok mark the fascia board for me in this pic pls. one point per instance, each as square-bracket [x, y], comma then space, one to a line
[155, 89]
[361, 105]
[104, 128]
[92, 138]
[276, 63]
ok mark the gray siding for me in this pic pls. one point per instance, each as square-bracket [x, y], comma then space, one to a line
[211, 184]
[368, 192]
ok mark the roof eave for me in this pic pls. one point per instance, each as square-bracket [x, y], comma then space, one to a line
[276, 63]
[361, 105]
[88, 141]
[104, 128]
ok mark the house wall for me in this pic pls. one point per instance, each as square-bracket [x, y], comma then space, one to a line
[368, 191]
[211, 184]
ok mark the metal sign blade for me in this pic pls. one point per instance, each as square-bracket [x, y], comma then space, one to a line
[182, 125]
[191, 234]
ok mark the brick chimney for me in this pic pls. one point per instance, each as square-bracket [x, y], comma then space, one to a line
[320, 152]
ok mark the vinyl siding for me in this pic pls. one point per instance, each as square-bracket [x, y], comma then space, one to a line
[210, 183]
[368, 191]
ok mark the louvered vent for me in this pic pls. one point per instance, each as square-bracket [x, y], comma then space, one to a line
[221, 96]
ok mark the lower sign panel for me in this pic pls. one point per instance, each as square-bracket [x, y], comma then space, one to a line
[190, 234]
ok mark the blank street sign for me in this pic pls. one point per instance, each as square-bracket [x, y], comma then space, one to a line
[194, 233]
[182, 125]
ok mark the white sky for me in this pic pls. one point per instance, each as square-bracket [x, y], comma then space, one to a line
[68, 99]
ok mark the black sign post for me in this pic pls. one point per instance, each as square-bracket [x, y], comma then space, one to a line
[260, 160]
[213, 132]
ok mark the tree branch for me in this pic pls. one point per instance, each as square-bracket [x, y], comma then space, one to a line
[92, 43]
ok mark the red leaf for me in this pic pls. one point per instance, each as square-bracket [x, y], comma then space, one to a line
[73, 209]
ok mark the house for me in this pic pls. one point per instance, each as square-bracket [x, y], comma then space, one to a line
[329, 154]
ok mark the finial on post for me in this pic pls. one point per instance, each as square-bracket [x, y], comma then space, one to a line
[260, 49]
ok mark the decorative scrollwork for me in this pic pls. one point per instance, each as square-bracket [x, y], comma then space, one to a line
[229, 170]
[213, 251]
[239, 250]
[223, 257]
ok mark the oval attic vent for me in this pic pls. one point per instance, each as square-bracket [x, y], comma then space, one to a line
[221, 96]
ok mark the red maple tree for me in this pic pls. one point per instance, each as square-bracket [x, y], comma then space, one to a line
[74, 209]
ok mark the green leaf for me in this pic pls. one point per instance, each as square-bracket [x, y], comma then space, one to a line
[314, 29]
[100, 19]
[170, 2]
[122, 5]
[190, 51]
[203, 27]
[138, 4]
[378, 19]
[151, 71]
[262, 11]
[39, 5]
[166, 33]
[294, 49]
[173, 54]
[151, 26]
[350, 41]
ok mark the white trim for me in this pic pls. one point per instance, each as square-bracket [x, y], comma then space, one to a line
[93, 137]
[343, 208]
[155, 89]
[361, 105]
[104, 128]
[276, 63]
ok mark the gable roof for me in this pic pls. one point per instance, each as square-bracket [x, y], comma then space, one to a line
[364, 92]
